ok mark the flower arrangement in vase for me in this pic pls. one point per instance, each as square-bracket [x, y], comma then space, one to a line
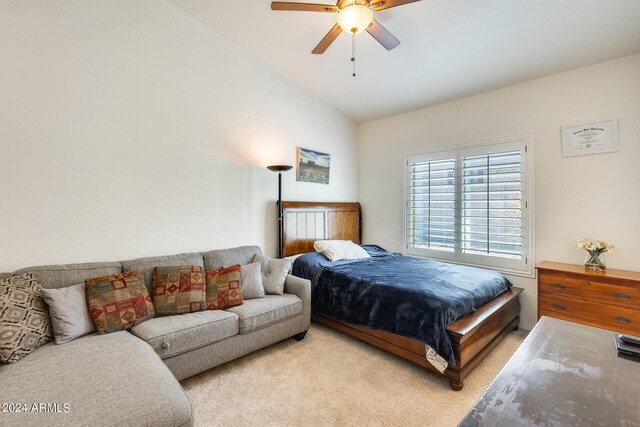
[594, 259]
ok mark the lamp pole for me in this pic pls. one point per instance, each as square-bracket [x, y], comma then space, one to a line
[280, 169]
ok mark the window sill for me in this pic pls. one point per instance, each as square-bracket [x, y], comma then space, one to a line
[527, 274]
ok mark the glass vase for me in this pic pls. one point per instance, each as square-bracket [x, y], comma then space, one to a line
[594, 261]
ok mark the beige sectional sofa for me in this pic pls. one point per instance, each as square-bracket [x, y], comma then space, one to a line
[131, 377]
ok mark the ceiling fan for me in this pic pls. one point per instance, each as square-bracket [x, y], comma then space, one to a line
[354, 17]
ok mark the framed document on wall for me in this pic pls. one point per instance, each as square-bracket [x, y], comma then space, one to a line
[590, 138]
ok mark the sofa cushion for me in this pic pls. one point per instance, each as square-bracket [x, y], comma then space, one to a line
[260, 313]
[146, 265]
[228, 257]
[172, 335]
[179, 290]
[106, 380]
[223, 288]
[24, 317]
[118, 302]
[63, 275]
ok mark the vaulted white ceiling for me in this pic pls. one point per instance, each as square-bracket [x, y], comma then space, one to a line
[450, 48]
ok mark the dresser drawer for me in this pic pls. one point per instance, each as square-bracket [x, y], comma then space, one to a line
[591, 313]
[592, 290]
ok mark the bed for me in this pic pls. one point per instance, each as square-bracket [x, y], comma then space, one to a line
[471, 328]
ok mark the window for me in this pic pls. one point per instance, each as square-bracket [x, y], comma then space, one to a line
[471, 205]
[432, 200]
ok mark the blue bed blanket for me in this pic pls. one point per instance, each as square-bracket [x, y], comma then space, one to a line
[413, 297]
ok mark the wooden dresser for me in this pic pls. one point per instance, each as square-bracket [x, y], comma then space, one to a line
[609, 300]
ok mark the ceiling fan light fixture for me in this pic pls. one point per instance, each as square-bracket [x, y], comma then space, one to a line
[355, 19]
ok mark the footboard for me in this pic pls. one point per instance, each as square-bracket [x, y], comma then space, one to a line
[475, 335]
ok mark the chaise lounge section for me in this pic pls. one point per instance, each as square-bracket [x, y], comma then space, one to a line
[113, 379]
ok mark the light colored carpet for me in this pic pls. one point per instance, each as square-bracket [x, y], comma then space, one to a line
[332, 379]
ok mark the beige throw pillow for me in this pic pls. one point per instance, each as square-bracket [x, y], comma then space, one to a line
[69, 313]
[24, 317]
[251, 281]
[274, 273]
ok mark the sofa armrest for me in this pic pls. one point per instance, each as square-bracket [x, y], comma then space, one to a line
[302, 289]
[298, 286]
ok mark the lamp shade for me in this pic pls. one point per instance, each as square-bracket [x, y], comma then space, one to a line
[279, 168]
[355, 19]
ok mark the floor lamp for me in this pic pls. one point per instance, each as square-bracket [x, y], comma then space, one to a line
[279, 169]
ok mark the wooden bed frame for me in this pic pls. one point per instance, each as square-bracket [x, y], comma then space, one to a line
[473, 336]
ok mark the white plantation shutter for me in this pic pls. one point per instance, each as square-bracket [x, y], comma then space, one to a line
[492, 204]
[432, 204]
[471, 206]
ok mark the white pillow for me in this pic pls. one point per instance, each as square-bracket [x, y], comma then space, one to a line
[251, 281]
[336, 250]
[293, 258]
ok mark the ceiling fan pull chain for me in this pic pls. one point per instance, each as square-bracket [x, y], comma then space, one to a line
[353, 52]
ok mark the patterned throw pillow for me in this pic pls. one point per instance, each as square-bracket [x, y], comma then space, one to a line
[179, 290]
[118, 302]
[24, 317]
[223, 288]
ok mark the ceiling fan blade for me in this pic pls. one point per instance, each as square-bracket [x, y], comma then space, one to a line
[327, 40]
[384, 36]
[387, 4]
[303, 7]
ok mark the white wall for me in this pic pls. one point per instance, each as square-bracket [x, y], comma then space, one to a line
[594, 196]
[127, 128]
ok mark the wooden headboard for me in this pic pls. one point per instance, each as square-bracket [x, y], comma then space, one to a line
[306, 222]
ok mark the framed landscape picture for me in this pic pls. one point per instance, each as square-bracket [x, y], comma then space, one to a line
[312, 166]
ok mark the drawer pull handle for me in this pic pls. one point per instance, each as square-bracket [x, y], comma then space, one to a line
[559, 306]
[623, 296]
[623, 319]
[559, 286]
